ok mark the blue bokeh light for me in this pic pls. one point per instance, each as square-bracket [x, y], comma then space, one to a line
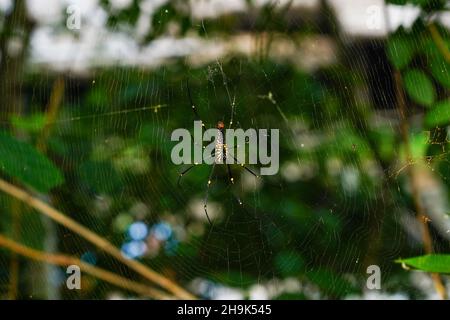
[162, 231]
[138, 231]
[134, 249]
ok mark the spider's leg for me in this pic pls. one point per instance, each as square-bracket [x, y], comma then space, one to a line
[205, 201]
[246, 168]
[233, 108]
[230, 174]
[182, 173]
[231, 180]
[252, 172]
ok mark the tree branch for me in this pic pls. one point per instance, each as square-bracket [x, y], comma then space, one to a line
[420, 210]
[439, 42]
[94, 238]
[64, 261]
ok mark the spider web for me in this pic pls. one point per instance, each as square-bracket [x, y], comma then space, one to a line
[303, 233]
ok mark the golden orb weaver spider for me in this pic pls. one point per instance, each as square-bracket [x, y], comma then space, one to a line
[220, 154]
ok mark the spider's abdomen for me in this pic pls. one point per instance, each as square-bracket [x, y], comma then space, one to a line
[220, 148]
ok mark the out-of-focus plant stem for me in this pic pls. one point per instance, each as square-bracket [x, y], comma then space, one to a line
[439, 42]
[95, 239]
[51, 241]
[56, 97]
[65, 260]
[421, 216]
[14, 263]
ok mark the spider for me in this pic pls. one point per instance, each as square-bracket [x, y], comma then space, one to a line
[220, 154]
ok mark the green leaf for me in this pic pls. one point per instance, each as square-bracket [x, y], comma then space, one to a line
[439, 115]
[441, 71]
[400, 50]
[439, 263]
[21, 161]
[419, 87]
[418, 144]
[33, 123]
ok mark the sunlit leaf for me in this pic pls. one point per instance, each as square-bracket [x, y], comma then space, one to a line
[439, 263]
[418, 144]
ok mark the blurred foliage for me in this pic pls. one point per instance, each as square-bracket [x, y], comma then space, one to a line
[21, 161]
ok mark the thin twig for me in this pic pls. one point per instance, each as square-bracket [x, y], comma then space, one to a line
[53, 107]
[14, 263]
[95, 239]
[420, 210]
[65, 260]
